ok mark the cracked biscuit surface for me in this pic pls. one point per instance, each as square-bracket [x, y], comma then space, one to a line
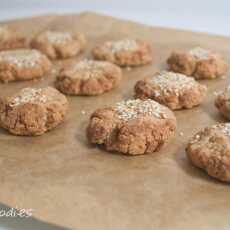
[174, 90]
[209, 150]
[222, 102]
[23, 64]
[89, 77]
[58, 45]
[10, 39]
[32, 112]
[132, 127]
[125, 52]
[199, 63]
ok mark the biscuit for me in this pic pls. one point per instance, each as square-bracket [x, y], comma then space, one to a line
[199, 63]
[222, 102]
[89, 77]
[22, 64]
[174, 90]
[209, 150]
[9, 39]
[132, 127]
[58, 45]
[32, 112]
[124, 52]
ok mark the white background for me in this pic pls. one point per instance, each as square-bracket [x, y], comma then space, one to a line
[199, 15]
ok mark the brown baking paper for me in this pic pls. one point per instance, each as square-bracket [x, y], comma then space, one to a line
[69, 182]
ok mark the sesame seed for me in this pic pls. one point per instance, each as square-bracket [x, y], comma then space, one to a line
[224, 93]
[83, 112]
[131, 109]
[216, 93]
[223, 77]
[122, 45]
[21, 58]
[58, 37]
[169, 82]
[29, 95]
[224, 128]
[181, 134]
[200, 53]
[195, 139]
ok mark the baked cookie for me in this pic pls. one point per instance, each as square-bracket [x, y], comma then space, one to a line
[174, 90]
[222, 102]
[209, 149]
[132, 127]
[9, 39]
[22, 64]
[199, 63]
[89, 77]
[59, 44]
[124, 52]
[32, 112]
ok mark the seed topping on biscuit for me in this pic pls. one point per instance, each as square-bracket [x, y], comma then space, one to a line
[122, 45]
[88, 65]
[29, 95]
[195, 139]
[58, 37]
[89, 68]
[223, 93]
[200, 53]
[131, 109]
[169, 82]
[224, 128]
[22, 58]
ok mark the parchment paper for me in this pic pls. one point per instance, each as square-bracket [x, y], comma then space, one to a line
[68, 182]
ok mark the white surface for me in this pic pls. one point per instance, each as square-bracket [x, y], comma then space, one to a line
[199, 15]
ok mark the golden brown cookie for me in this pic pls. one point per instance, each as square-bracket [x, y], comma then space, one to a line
[209, 150]
[199, 63]
[23, 64]
[59, 44]
[174, 90]
[9, 39]
[89, 77]
[32, 112]
[222, 102]
[132, 127]
[124, 52]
